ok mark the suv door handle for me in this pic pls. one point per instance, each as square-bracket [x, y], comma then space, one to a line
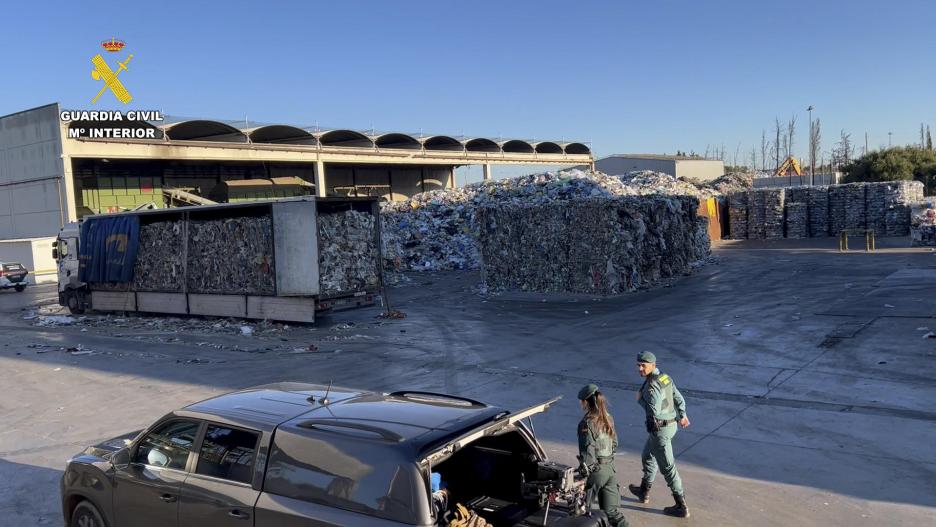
[168, 498]
[238, 514]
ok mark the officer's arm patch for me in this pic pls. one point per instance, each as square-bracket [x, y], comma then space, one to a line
[665, 379]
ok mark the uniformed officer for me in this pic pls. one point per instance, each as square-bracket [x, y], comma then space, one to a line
[664, 406]
[597, 443]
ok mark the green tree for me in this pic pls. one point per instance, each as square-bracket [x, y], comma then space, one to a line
[898, 163]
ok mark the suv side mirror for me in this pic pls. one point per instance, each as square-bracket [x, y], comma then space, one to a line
[121, 458]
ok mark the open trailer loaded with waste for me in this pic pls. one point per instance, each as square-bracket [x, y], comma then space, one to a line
[277, 260]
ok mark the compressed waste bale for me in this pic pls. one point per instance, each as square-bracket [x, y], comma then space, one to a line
[855, 213]
[756, 215]
[589, 245]
[923, 225]
[773, 213]
[738, 215]
[837, 206]
[348, 259]
[231, 256]
[818, 211]
[797, 220]
[159, 265]
[876, 208]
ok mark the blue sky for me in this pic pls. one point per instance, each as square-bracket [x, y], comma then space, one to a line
[626, 76]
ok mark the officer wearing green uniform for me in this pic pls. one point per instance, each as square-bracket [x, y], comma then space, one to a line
[665, 407]
[597, 442]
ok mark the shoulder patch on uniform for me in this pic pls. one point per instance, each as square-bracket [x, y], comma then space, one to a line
[665, 379]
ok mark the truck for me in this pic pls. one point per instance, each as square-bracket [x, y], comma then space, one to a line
[283, 260]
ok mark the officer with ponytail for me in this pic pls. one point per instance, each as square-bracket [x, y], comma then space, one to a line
[597, 444]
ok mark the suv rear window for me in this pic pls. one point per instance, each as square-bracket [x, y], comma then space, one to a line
[345, 471]
[227, 453]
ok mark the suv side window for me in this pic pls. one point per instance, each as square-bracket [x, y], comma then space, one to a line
[227, 453]
[169, 445]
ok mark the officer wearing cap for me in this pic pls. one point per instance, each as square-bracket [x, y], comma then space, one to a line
[597, 443]
[665, 407]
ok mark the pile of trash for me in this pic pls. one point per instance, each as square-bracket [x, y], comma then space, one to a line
[923, 225]
[590, 245]
[159, 265]
[347, 251]
[733, 182]
[231, 256]
[797, 212]
[439, 230]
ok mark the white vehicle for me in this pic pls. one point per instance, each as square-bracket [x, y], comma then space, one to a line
[72, 293]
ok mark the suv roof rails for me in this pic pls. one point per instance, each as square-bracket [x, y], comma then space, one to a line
[328, 425]
[430, 397]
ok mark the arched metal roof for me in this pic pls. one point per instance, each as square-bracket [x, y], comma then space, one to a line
[481, 144]
[396, 140]
[345, 138]
[517, 146]
[577, 148]
[203, 130]
[282, 134]
[548, 147]
[443, 142]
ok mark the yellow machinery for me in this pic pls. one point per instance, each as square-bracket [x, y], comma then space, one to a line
[789, 163]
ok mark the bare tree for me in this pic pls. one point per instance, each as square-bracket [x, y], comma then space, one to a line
[776, 145]
[763, 149]
[753, 158]
[791, 135]
[929, 139]
[814, 141]
[844, 149]
[737, 154]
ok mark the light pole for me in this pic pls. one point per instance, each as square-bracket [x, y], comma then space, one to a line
[812, 148]
[889, 134]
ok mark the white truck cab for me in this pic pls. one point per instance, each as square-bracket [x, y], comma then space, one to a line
[72, 292]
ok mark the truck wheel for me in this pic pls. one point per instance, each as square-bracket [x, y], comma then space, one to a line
[74, 303]
[86, 515]
[20, 288]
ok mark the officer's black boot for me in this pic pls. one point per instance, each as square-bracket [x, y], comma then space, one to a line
[680, 510]
[642, 492]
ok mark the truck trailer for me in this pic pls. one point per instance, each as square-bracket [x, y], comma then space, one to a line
[282, 260]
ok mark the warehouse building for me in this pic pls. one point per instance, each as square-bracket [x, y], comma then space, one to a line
[676, 166]
[52, 171]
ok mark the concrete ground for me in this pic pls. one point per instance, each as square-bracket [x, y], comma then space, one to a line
[808, 377]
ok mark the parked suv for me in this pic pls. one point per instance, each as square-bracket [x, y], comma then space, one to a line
[294, 455]
[13, 276]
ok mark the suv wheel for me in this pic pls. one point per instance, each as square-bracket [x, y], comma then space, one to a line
[20, 288]
[86, 515]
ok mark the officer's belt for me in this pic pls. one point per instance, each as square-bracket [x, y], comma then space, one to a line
[664, 422]
[605, 460]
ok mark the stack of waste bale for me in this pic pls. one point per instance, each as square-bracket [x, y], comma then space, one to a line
[818, 211]
[837, 206]
[756, 215]
[796, 205]
[876, 208]
[855, 216]
[601, 245]
[773, 213]
[899, 196]
[738, 215]
[348, 260]
[231, 256]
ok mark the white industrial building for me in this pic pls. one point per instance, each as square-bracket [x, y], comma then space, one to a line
[676, 166]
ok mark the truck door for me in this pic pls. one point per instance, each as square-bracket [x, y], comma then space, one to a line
[220, 490]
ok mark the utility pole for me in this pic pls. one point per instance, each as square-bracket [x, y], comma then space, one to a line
[889, 134]
[812, 149]
[866, 143]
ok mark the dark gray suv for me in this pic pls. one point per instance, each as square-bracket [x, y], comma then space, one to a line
[305, 455]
